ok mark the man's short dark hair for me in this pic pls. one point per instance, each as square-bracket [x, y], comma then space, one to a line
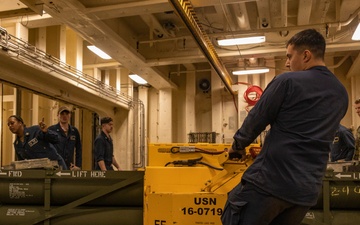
[357, 101]
[311, 40]
[105, 120]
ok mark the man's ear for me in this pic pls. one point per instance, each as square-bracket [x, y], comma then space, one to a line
[307, 55]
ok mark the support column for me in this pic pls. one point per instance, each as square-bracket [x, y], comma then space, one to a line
[43, 107]
[143, 128]
[9, 107]
[21, 32]
[216, 103]
[125, 133]
[153, 115]
[97, 73]
[190, 125]
[165, 116]
[118, 79]
[62, 47]
[35, 109]
[40, 44]
[107, 77]
[79, 53]
[41, 40]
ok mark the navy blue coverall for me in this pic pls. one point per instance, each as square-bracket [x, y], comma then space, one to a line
[38, 144]
[343, 146]
[69, 145]
[304, 109]
[104, 150]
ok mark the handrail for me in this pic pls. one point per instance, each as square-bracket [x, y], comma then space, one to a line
[35, 57]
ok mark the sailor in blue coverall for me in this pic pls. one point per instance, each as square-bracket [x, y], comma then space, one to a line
[304, 108]
[69, 145]
[343, 146]
[34, 142]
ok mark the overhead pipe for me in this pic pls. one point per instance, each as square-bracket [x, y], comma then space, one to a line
[186, 11]
[139, 113]
[346, 22]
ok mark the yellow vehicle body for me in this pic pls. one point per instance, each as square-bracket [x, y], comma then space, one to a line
[187, 184]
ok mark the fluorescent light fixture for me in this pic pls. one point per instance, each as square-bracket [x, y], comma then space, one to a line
[251, 71]
[137, 79]
[356, 35]
[242, 41]
[98, 52]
